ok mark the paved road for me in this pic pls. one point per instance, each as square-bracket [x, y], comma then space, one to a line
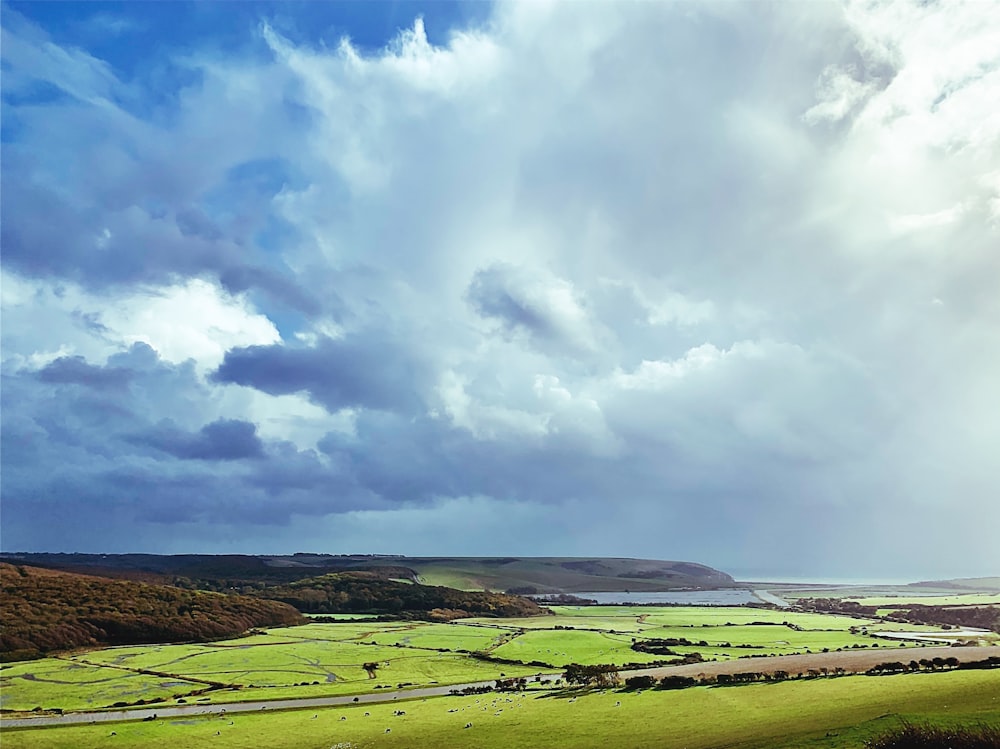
[180, 711]
[850, 660]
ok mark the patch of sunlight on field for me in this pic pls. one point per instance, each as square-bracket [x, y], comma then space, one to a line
[820, 713]
[338, 632]
[562, 647]
[452, 637]
[619, 624]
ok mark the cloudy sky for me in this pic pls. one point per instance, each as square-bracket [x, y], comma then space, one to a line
[707, 281]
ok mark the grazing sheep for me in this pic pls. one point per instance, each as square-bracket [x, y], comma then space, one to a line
[468, 725]
[367, 714]
[618, 704]
[343, 717]
[388, 730]
[113, 733]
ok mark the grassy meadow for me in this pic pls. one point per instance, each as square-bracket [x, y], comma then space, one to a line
[823, 713]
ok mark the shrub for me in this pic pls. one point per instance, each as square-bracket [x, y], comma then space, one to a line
[677, 682]
[910, 736]
[640, 682]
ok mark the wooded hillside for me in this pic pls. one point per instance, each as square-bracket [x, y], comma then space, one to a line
[370, 592]
[45, 610]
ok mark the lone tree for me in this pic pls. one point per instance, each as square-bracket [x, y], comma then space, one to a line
[603, 675]
[371, 667]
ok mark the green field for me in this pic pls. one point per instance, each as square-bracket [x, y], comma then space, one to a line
[560, 648]
[326, 658]
[51, 683]
[823, 713]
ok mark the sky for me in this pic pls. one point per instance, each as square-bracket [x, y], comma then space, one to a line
[715, 282]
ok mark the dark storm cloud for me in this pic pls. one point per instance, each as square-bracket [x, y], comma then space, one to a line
[414, 460]
[226, 439]
[336, 374]
[75, 370]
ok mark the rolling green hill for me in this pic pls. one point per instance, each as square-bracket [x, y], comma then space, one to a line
[565, 574]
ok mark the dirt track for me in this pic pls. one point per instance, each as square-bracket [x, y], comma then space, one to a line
[852, 661]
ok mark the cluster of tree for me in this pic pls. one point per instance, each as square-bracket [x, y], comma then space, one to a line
[667, 682]
[990, 662]
[640, 682]
[484, 689]
[46, 610]
[898, 667]
[370, 592]
[677, 682]
[743, 677]
[518, 684]
[600, 675]
[982, 617]
[661, 646]
[837, 606]
[564, 599]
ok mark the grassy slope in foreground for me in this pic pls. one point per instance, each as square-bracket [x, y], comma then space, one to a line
[831, 713]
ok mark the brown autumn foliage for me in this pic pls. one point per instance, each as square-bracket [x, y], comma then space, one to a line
[46, 610]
